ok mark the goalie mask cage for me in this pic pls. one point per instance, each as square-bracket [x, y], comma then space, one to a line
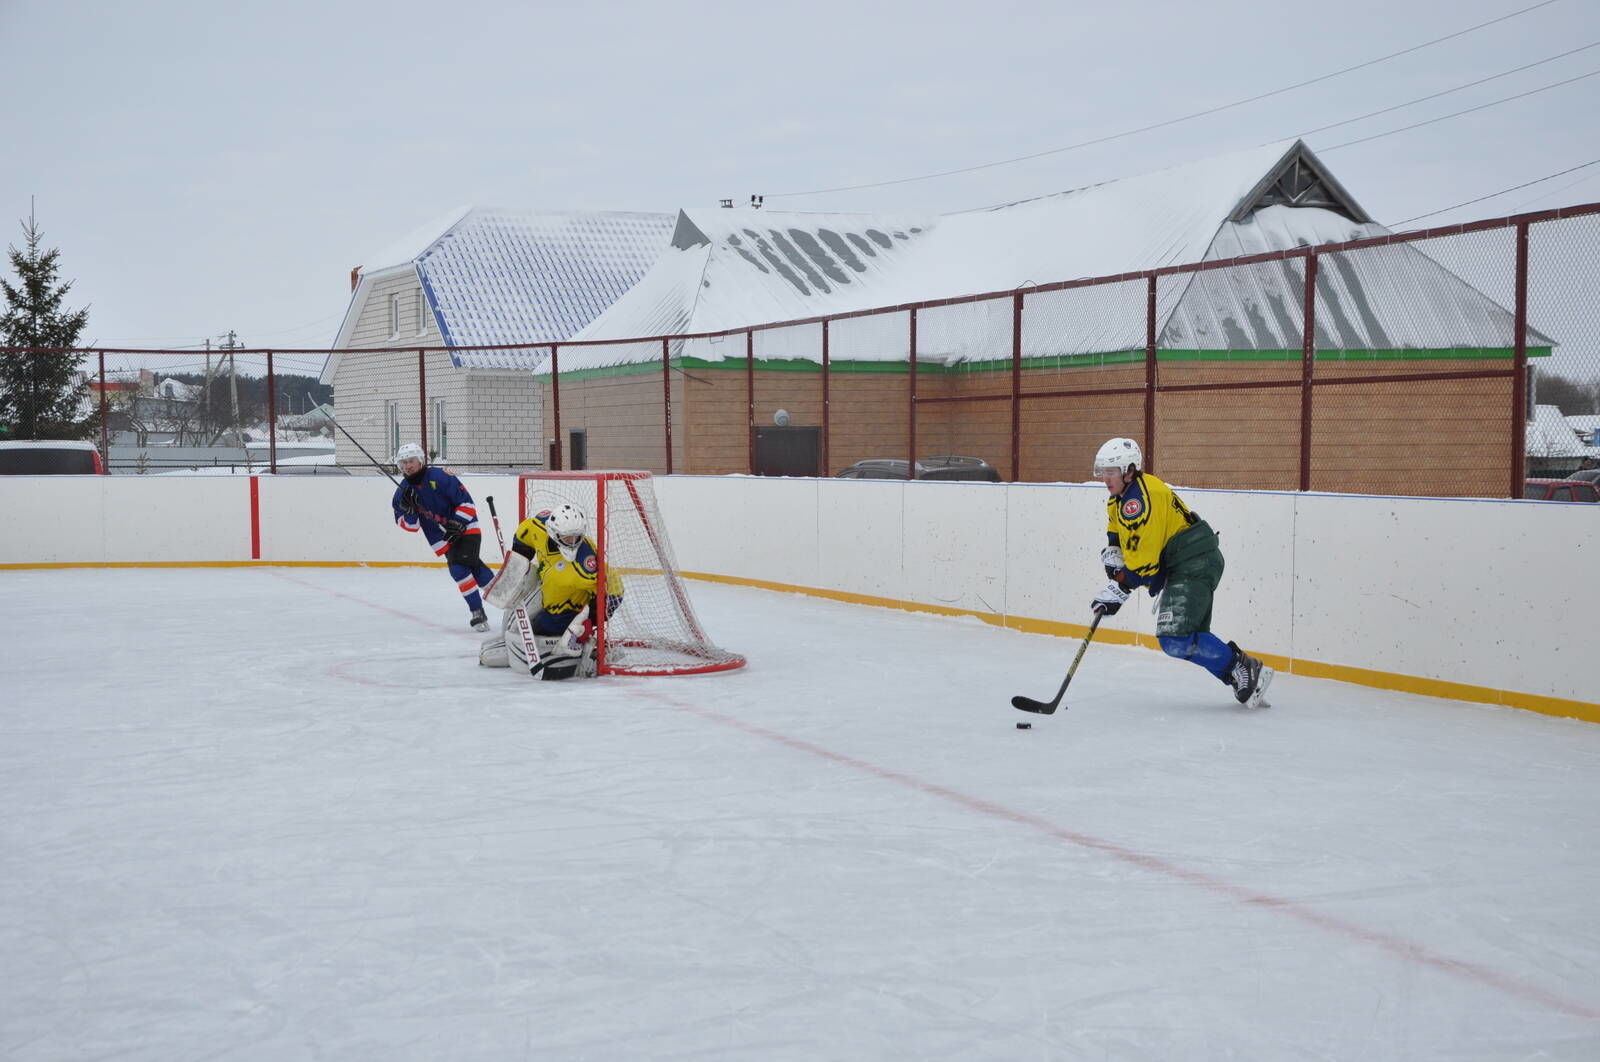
[654, 631]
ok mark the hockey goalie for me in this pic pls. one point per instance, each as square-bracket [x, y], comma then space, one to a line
[547, 588]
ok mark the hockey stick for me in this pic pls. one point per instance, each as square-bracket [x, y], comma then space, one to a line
[1028, 704]
[524, 628]
[364, 450]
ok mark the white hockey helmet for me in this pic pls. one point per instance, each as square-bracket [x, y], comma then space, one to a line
[566, 524]
[1117, 455]
[410, 452]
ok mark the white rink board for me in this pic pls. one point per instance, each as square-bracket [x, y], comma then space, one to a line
[1489, 593]
[1485, 593]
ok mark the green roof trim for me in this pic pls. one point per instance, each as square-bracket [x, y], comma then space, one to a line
[1059, 361]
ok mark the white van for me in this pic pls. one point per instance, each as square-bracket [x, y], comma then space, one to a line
[50, 457]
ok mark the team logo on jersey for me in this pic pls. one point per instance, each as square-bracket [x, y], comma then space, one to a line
[590, 565]
[1132, 508]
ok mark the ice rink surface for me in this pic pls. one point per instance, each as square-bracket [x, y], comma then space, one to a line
[280, 813]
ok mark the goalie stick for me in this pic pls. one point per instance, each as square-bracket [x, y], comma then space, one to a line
[524, 628]
[1028, 704]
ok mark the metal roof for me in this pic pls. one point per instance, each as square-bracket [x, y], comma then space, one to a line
[506, 276]
[729, 269]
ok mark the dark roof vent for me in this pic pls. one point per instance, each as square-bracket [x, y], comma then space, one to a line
[1299, 179]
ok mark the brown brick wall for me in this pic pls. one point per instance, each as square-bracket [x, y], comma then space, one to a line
[1433, 437]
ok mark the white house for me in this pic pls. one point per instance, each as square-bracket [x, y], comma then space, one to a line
[471, 283]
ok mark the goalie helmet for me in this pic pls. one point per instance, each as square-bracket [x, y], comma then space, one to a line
[1116, 456]
[409, 452]
[566, 524]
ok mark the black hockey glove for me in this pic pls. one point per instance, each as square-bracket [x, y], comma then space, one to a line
[452, 530]
[1107, 601]
[408, 501]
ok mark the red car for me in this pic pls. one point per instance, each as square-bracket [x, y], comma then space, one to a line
[1568, 490]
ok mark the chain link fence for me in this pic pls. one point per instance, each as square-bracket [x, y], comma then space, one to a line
[1450, 362]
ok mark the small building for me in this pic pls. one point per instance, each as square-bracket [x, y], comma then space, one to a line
[468, 285]
[1554, 447]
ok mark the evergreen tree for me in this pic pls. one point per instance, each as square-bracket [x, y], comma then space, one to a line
[40, 393]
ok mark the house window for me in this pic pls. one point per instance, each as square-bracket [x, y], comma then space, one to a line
[394, 314]
[578, 449]
[441, 430]
[422, 311]
[394, 426]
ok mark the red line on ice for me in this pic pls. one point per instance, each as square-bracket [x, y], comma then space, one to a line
[1398, 946]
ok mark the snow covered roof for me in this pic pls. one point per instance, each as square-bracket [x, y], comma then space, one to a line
[1585, 424]
[505, 276]
[1549, 435]
[723, 269]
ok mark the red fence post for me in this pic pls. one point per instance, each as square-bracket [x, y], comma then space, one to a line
[1016, 387]
[105, 420]
[272, 417]
[825, 464]
[750, 401]
[422, 400]
[666, 395]
[1308, 354]
[1519, 380]
[911, 401]
[1150, 373]
[555, 403]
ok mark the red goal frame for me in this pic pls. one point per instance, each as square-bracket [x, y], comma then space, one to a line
[630, 481]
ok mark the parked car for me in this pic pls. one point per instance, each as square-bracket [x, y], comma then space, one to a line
[310, 470]
[50, 457]
[944, 466]
[1571, 490]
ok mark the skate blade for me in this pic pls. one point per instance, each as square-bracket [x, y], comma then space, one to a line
[1258, 699]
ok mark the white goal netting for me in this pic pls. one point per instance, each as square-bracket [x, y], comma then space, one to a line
[655, 630]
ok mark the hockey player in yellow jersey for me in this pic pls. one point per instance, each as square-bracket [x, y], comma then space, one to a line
[551, 571]
[1156, 541]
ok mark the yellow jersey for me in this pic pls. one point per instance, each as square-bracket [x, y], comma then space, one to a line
[566, 584]
[1142, 520]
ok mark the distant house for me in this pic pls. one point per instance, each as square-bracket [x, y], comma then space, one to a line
[1381, 310]
[1554, 446]
[475, 280]
[1586, 425]
[177, 390]
[319, 419]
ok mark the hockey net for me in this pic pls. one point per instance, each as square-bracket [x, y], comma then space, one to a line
[655, 630]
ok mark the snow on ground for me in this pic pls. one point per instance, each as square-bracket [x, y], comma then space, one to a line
[280, 813]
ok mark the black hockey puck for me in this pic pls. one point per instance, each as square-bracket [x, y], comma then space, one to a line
[1024, 726]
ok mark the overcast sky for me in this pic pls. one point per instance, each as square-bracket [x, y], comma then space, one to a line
[209, 166]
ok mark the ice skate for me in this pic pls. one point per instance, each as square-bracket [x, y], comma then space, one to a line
[1248, 678]
[479, 621]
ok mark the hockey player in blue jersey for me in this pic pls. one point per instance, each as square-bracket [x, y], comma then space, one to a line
[434, 502]
[1156, 541]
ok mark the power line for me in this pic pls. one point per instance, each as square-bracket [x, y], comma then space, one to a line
[1503, 191]
[1555, 191]
[1449, 91]
[197, 346]
[1170, 121]
[1457, 114]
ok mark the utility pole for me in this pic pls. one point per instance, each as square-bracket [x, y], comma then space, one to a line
[205, 397]
[233, 384]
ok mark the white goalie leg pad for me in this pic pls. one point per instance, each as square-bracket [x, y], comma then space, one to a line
[493, 652]
[511, 582]
[517, 650]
